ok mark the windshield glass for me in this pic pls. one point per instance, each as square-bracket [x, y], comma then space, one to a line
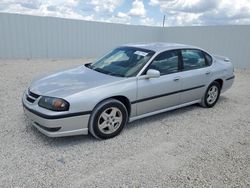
[123, 62]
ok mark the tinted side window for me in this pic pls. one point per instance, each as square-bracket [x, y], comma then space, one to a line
[193, 59]
[166, 62]
[209, 59]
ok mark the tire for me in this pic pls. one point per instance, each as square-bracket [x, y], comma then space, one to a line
[108, 119]
[211, 96]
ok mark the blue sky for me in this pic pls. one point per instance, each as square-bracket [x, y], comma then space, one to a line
[138, 12]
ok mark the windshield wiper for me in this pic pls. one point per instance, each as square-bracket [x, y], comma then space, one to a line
[116, 74]
[101, 70]
[105, 71]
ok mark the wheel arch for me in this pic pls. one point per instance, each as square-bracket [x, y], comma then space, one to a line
[220, 81]
[123, 99]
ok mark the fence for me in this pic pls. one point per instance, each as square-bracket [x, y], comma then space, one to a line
[23, 36]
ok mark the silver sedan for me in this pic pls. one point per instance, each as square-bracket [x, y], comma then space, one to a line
[130, 82]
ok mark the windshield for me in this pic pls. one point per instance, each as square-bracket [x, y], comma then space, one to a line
[123, 61]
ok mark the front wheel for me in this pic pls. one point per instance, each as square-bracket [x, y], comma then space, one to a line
[108, 119]
[212, 95]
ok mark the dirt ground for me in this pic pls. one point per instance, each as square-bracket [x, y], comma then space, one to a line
[188, 147]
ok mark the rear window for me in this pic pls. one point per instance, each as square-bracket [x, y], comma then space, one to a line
[193, 59]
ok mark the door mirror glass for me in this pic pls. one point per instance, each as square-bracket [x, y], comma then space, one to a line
[152, 73]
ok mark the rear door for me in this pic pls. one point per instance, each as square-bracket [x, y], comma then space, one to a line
[196, 74]
[159, 93]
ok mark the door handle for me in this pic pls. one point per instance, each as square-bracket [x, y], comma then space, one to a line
[208, 72]
[177, 78]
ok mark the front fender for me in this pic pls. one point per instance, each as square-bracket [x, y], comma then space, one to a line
[86, 100]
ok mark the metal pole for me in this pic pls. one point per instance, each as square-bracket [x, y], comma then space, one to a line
[163, 23]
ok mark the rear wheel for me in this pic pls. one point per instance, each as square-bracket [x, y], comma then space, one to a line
[212, 95]
[108, 119]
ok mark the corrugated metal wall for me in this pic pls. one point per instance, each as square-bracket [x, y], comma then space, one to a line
[23, 36]
[230, 41]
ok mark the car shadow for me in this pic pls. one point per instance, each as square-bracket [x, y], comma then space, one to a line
[60, 141]
[163, 115]
[74, 140]
[160, 116]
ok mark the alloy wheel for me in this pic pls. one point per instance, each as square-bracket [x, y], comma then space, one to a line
[212, 94]
[110, 120]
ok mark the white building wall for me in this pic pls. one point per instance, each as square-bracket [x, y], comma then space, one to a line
[23, 36]
[230, 41]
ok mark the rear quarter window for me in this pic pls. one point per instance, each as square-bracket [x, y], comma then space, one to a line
[209, 59]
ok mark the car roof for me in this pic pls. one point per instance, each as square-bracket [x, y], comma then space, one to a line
[159, 46]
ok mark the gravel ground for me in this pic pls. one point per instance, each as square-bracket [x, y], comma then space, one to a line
[189, 147]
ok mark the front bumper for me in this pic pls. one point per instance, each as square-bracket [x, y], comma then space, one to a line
[54, 125]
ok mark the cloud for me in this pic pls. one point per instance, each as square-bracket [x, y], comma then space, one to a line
[149, 22]
[204, 12]
[55, 8]
[192, 6]
[228, 12]
[153, 2]
[122, 18]
[178, 12]
[105, 5]
[182, 19]
[138, 9]
[122, 15]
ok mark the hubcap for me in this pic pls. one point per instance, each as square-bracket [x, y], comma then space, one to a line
[212, 94]
[110, 120]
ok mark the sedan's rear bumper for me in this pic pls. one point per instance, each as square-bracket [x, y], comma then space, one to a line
[227, 84]
[58, 126]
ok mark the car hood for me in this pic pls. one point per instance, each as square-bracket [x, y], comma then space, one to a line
[66, 83]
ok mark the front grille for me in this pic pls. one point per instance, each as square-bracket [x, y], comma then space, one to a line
[31, 97]
[33, 94]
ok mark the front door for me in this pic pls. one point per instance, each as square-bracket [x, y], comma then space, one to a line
[159, 93]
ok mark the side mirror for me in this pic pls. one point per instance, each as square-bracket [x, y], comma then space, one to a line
[152, 73]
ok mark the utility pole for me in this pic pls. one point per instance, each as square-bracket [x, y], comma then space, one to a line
[163, 23]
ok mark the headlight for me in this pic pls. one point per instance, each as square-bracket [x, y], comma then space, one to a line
[54, 104]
